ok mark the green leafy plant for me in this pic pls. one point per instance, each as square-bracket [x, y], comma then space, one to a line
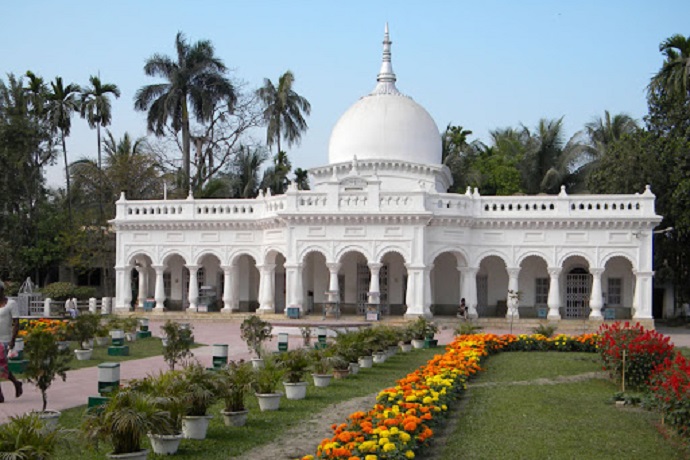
[255, 331]
[268, 377]
[26, 437]
[84, 327]
[59, 291]
[295, 363]
[320, 362]
[349, 346]
[234, 381]
[129, 323]
[167, 390]
[467, 328]
[547, 330]
[201, 389]
[46, 361]
[124, 420]
[179, 342]
[422, 328]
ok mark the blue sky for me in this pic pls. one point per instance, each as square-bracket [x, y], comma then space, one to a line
[483, 65]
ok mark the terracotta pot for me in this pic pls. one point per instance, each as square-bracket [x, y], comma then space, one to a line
[341, 373]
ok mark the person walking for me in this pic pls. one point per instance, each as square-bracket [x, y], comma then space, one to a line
[9, 327]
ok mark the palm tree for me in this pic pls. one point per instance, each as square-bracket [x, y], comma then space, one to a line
[283, 109]
[95, 106]
[195, 82]
[674, 75]
[244, 171]
[63, 101]
[302, 178]
[549, 160]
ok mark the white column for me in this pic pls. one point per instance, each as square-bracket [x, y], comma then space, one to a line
[126, 288]
[468, 289]
[142, 285]
[554, 299]
[642, 297]
[374, 288]
[513, 300]
[293, 278]
[266, 288]
[333, 287]
[228, 275]
[159, 293]
[193, 287]
[415, 291]
[427, 300]
[595, 301]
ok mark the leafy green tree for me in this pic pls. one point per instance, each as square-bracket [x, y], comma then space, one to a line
[276, 177]
[195, 83]
[674, 75]
[63, 102]
[96, 107]
[283, 109]
[244, 171]
[302, 178]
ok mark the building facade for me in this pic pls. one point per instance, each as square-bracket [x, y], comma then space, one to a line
[379, 228]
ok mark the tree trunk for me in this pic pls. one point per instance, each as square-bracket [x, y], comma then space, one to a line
[69, 196]
[185, 148]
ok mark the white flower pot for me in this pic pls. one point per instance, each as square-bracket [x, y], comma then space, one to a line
[366, 361]
[83, 355]
[131, 336]
[87, 344]
[406, 347]
[102, 341]
[418, 343]
[257, 363]
[165, 444]
[295, 390]
[354, 368]
[164, 341]
[195, 426]
[141, 455]
[238, 418]
[380, 358]
[322, 380]
[269, 401]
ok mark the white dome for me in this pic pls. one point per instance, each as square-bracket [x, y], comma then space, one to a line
[386, 125]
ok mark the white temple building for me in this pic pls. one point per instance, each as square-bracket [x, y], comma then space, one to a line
[379, 228]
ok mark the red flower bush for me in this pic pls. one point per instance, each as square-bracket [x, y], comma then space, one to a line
[670, 386]
[643, 351]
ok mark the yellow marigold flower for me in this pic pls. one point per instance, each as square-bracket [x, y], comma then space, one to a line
[308, 457]
[409, 454]
[404, 437]
[384, 434]
[427, 400]
[390, 447]
[371, 457]
[394, 430]
[383, 441]
[444, 407]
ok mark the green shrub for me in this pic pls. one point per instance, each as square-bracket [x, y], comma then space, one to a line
[59, 291]
[545, 330]
[84, 292]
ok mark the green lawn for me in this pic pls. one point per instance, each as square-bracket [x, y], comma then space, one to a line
[263, 427]
[561, 421]
[141, 348]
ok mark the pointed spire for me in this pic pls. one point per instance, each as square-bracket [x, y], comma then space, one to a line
[386, 77]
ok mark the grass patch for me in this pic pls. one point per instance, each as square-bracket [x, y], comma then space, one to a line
[566, 420]
[263, 427]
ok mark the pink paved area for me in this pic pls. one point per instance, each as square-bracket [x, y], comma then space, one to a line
[82, 383]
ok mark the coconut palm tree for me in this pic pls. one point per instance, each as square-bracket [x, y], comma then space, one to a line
[195, 83]
[95, 106]
[283, 109]
[63, 101]
[674, 75]
[244, 171]
[301, 178]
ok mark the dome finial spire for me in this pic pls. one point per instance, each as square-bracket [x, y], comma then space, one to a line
[386, 78]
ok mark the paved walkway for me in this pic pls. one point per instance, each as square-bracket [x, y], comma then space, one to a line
[82, 383]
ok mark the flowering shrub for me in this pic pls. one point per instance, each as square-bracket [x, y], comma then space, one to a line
[644, 350]
[670, 387]
[402, 419]
[57, 327]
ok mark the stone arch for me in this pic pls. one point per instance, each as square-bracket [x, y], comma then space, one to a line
[235, 256]
[392, 249]
[564, 257]
[270, 255]
[492, 284]
[393, 286]
[491, 253]
[607, 257]
[208, 252]
[132, 258]
[352, 248]
[533, 253]
[170, 253]
[459, 254]
[312, 248]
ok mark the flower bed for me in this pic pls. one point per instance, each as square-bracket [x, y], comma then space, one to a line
[58, 327]
[402, 420]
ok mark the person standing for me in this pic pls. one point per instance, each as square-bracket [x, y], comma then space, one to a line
[9, 327]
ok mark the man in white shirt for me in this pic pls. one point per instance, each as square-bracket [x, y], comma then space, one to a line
[9, 327]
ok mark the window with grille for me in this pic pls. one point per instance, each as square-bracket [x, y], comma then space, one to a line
[167, 283]
[482, 290]
[615, 293]
[541, 291]
[200, 277]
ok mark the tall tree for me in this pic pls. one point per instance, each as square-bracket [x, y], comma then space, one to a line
[195, 83]
[244, 171]
[674, 75]
[283, 111]
[96, 107]
[301, 178]
[276, 176]
[63, 102]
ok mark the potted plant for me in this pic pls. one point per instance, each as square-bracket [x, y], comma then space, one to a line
[201, 391]
[130, 325]
[234, 381]
[305, 331]
[102, 335]
[27, 437]
[265, 384]
[46, 361]
[348, 345]
[322, 368]
[83, 331]
[178, 343]
[406, 336]
[124, 421]
[419, 330]
[255, 331]
[429, 333]
[295, 363]
[341, 367]
[167, 390]
[366, 340]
